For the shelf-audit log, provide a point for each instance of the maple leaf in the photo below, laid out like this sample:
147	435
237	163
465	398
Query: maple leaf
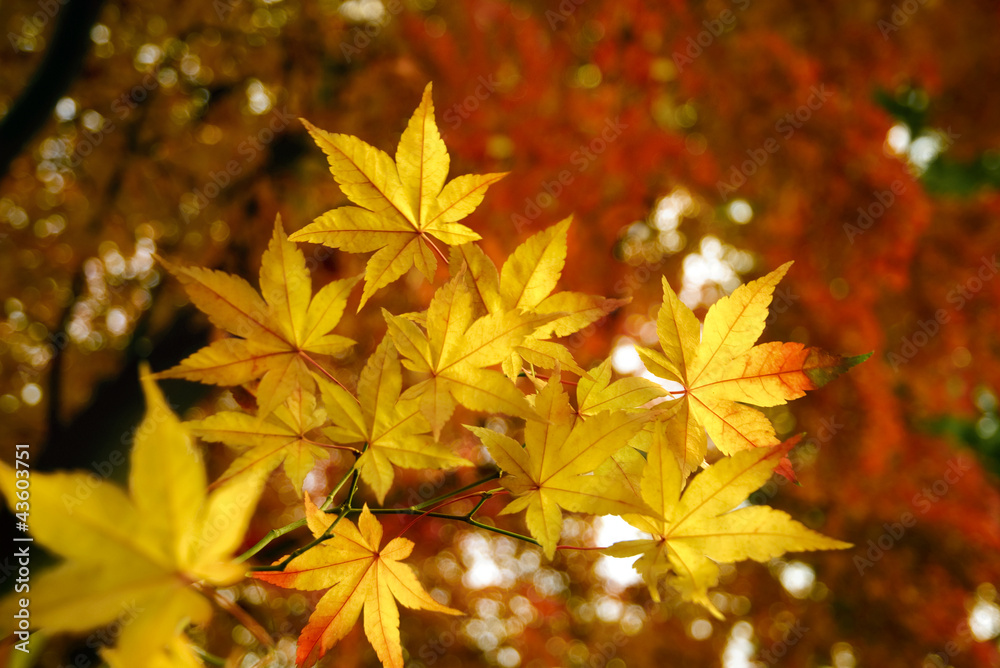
724	371
279	332
526	282
402	205
359	576
595	392
396	431
281	439
134	552
453	352
564	464
699	529
133	650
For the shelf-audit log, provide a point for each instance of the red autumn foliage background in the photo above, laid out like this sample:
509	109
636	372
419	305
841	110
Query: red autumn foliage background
707	142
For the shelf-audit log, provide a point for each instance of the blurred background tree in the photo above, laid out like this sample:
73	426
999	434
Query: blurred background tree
708	142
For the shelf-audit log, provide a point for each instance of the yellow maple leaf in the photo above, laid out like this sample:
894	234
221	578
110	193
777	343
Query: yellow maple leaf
278	333
402	206
596	393
135	552
565	464
724	371
359	576
526	282
135	651
396	431
281	439
699	529
454	351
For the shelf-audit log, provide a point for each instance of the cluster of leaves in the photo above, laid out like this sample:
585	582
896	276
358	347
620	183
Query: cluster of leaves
626	447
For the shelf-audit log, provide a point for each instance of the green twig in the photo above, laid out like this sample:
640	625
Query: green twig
485	497
339	485
209	658
280	566
467	519
269	536
343	509
443	497
347	508
503	532
292	526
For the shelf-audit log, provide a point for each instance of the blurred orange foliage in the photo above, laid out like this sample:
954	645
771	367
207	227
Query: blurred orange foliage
707	142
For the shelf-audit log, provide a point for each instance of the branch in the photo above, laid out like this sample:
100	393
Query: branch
502	532
466	519
438	499
269	536
292	526
420	510
241	615
208	658
61	64
343	509
483	497
343	479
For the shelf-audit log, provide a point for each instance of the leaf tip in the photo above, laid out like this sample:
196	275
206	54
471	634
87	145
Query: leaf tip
167	264
308	126
365	296
148	381
850	362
